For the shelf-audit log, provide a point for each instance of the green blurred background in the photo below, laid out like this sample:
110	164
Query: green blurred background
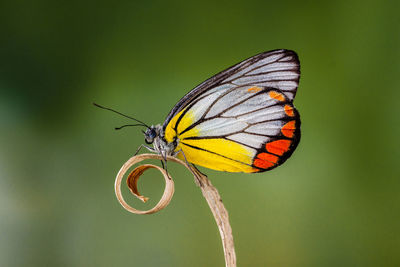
335	202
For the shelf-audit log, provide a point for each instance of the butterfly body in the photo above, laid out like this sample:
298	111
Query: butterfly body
240	120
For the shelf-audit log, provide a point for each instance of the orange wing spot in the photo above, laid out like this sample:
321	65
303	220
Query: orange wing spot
289	110
268	157
288	129
254	89
278	147
263	164
277	96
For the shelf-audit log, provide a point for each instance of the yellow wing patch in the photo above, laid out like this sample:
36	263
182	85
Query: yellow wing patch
185	122
217	154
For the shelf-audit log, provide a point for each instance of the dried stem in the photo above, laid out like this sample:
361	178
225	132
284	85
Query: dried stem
210	193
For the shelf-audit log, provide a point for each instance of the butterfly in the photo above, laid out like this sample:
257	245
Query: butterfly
240	120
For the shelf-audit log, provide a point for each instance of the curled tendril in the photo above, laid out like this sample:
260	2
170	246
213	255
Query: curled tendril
210	193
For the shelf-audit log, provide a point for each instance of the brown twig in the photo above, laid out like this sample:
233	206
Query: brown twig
210	193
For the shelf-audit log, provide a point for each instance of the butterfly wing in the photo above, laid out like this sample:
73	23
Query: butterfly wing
277	69
242	119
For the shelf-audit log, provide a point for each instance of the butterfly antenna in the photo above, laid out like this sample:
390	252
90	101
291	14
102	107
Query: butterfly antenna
126	125
129	117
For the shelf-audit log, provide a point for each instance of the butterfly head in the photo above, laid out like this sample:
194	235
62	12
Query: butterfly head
151	133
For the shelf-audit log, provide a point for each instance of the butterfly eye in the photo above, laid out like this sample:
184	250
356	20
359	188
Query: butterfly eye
149	135
152	134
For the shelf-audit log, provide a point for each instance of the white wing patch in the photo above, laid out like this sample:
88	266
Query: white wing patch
277	70
288	58
272	113
277	66
276	75
252	140
258	64
230	99
270	128
254	103
219	127
223	88
203	104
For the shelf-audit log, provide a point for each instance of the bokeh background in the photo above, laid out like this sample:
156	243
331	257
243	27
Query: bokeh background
335	202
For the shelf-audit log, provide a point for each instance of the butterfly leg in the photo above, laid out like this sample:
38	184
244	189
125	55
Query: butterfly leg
144	146
166	169
192	166
164	162
181	151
